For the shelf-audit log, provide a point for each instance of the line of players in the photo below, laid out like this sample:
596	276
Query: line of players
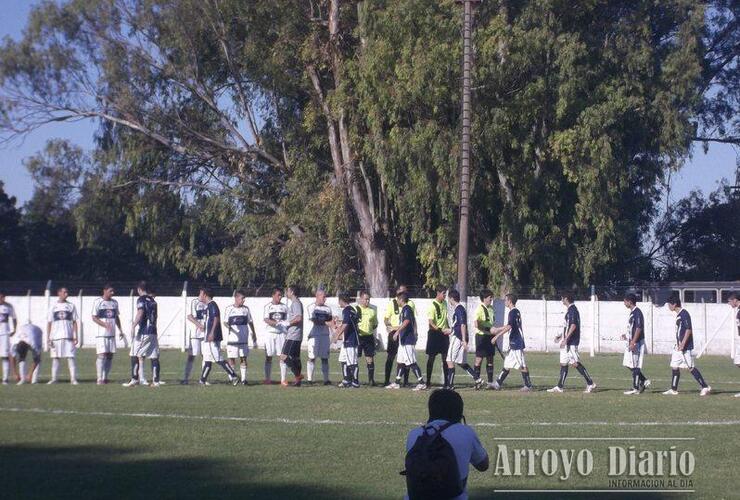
355	327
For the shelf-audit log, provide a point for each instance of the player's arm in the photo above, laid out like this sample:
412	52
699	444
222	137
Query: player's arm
296	321
49	342
483	465
254	332
400	328
464	332
212	333
74	331
633	340
137	320
498	331
339	332
387	321
272	322
686	336
13	320
568	333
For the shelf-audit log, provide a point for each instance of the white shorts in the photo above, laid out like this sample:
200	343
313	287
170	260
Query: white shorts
274	344
514	360
318	347
105	345
147	346
211	352
682	359
456	352
406	354
194	347
569	355
234	351
348	355
634	359
64	348
4	346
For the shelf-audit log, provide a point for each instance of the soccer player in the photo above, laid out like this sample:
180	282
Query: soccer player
682	357
635	352
8	325
61	330
319	342
515	357
28	338
458	351
106	316
238	322
485	317
276	317
144	341
212	341
195	337
290	355
368	326
391	318
438	338
348	355
405	335
569	340
734	301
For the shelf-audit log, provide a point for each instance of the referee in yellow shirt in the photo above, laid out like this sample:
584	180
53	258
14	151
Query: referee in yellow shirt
485	317
438	338
367	327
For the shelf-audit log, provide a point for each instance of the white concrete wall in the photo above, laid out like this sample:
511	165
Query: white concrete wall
602	323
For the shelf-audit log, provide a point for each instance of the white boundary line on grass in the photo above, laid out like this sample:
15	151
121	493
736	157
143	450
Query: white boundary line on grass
259	420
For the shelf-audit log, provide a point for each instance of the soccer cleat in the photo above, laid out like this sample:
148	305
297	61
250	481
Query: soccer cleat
74	382
204	383
144	381
342	385
284	383
419	387
131	383
327	382
495	386
556	390
52	381
21	382
590	388
478	384
267	381
184	382
525	389
298	381
705	391
5	382
737	395
244	382
647	383
234	380
155	384
670	392
99	382
393	386
631	391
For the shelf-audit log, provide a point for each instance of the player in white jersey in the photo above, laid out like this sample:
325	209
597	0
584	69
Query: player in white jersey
61	330
238	321
107	316
734	301
276	317
8	324
197	332
319	342
28	338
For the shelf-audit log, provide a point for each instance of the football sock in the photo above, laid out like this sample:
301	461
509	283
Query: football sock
22	370
563	376
417	372
243	372
228	369
582	370
489	371
206	371
635	378
371	372
399	373
502	376
99	368
450	377
155	370
345	374
72	369
405	375
268	370
476	369
325	369
430	365
134	368
188	367
527	381
388	368
310	365
283	372
107	366
6	369
697	375
470	370
354	371
55	368
675	377
35	373
643	378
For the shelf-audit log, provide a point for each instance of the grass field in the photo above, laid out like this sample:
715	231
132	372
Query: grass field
175	441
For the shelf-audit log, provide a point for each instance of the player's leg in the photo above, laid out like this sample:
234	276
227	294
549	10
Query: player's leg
476	365
6	369
19	357
142	373
431	357
370	360
155	371
205	372
54	370
705	389
280	342
270	351
36	366
489	369
99	362
135	365
188	368
391	353
243	369
72	367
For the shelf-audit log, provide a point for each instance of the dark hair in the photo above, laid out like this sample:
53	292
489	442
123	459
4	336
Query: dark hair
344	297
455	295
733	295
207	290
143	285
276	290
107	286
631	298
485	293
60	288
567	296
674	300
512	298
363	292
403	296
295	289
401	286
241	292
2	292
440	289
445	404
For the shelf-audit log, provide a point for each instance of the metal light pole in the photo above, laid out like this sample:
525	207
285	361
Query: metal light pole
462	244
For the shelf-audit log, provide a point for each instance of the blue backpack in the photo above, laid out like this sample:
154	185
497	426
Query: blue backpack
431	467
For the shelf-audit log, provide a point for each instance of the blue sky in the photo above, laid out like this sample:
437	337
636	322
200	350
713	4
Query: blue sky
702	171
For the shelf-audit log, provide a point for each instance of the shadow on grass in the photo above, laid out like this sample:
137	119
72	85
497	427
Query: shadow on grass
87	472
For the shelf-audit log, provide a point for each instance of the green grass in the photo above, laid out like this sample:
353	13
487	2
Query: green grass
99	448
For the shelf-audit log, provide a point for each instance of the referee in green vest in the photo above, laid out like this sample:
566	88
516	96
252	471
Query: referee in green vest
438	338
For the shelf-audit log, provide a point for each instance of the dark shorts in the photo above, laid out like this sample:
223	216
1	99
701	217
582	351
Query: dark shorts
292	348
392	346
437	343
21	350
367	346
483	346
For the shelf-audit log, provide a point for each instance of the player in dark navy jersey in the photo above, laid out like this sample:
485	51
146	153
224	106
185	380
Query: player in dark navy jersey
569	340
635	351
515	357
212	341
458	350
406	337
348	332
144	341
683	356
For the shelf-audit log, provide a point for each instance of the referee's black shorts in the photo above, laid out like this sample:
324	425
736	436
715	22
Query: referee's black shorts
483	346
292	348
366	346
437	343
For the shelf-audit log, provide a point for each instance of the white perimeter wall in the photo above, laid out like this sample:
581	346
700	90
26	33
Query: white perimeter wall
602	323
